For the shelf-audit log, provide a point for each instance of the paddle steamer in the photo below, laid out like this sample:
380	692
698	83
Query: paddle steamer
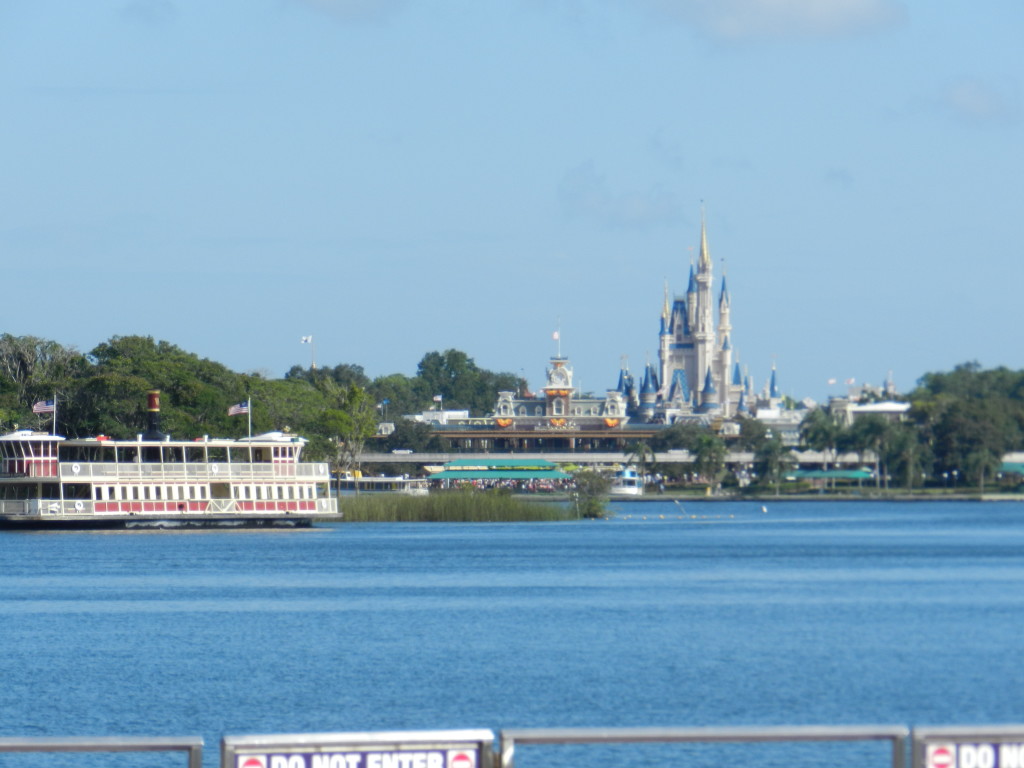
48	481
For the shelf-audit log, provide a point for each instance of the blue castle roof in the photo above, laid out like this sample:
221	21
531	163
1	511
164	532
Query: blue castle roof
679	390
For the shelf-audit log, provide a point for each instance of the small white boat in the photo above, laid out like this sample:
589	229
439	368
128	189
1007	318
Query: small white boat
352	483
627	482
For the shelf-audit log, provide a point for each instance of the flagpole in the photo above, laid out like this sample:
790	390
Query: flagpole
53	428
248	413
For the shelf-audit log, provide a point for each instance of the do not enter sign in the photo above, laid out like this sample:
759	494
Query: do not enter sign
993	755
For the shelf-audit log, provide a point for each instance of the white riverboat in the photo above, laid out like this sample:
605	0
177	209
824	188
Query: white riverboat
627	482
351	483
152	481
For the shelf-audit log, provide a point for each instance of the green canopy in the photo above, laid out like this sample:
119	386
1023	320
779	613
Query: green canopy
500	469
838	474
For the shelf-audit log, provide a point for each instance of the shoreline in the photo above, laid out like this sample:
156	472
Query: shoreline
763	498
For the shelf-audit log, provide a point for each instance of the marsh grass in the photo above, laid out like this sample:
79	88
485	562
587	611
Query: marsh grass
447	507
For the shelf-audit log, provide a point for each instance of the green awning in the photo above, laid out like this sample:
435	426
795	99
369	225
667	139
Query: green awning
837	474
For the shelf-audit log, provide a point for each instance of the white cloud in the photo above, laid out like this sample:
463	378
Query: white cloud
584	193
744	20
975	100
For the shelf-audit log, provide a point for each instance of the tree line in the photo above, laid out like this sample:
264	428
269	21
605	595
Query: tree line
959	425
958	428
103	392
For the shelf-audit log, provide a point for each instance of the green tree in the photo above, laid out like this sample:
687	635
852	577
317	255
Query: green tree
641	456
400	393
681	435
905	453
591	494
867	434
771	459
343	374
411	436
33	369
821	431
354	422
753	434
709	458
455	377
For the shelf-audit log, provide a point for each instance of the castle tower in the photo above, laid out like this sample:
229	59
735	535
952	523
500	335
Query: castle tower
558	391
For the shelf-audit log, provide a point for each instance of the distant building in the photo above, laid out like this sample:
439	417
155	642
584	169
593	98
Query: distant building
697	376
849	411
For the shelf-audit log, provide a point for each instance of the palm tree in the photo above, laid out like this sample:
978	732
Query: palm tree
869	433
641	454
709	454
771	459
821	431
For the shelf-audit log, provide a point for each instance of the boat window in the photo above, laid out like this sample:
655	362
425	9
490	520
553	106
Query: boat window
77	491
128	455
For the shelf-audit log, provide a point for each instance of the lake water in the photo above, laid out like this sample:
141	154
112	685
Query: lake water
686	615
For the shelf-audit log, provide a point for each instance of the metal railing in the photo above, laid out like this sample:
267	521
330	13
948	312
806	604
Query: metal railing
192	745
896	735
213	471
983	746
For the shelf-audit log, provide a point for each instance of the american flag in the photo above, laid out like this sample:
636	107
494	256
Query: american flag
44	406
238	409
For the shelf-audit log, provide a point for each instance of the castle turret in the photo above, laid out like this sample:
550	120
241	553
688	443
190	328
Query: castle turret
649	392
709	395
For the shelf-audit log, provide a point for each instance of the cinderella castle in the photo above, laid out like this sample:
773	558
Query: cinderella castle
697	379
698	376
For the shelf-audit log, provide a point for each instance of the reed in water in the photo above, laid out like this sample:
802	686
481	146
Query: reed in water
447	507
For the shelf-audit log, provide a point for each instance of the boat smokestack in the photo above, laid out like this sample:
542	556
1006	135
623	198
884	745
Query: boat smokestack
153	409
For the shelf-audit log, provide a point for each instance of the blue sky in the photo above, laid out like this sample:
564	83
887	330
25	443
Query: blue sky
399	177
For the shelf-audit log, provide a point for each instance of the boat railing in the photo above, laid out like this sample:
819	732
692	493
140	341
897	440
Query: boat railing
213	472
87	508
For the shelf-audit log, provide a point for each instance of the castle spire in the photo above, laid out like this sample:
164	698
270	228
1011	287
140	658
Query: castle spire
704	259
